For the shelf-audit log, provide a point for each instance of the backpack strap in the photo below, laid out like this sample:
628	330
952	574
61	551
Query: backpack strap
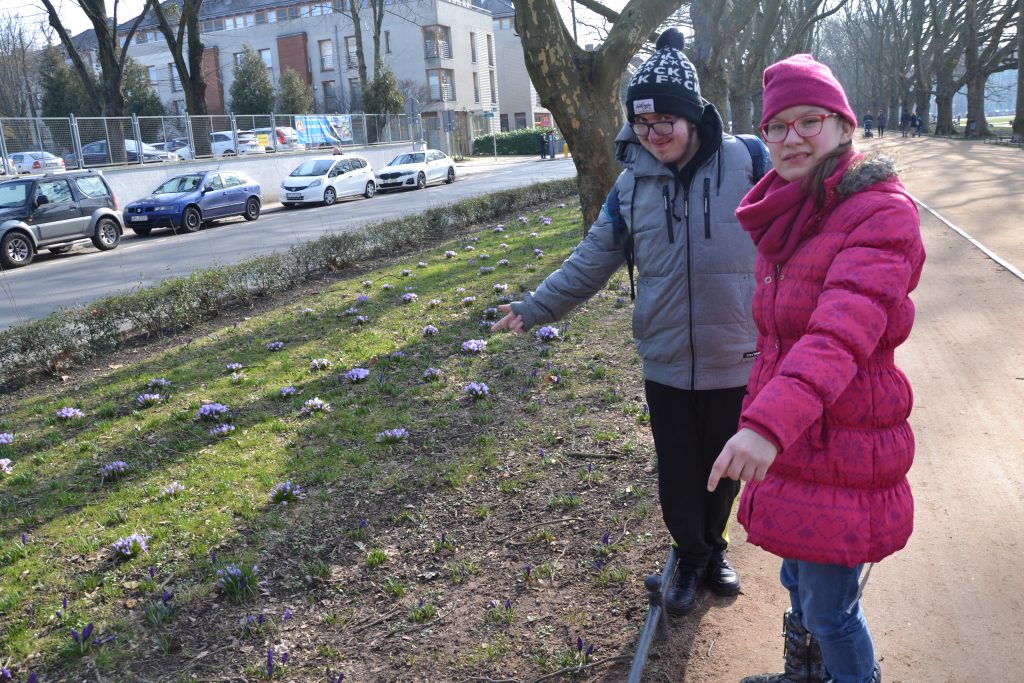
622	234
758	154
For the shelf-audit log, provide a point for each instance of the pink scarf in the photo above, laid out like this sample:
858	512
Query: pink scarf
779	214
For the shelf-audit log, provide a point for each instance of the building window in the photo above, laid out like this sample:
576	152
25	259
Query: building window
153	77
472	47
267	59
175	83
387	42
476	87
503	23
504	123
494	89
437	42
212	25
331	96
239	56
520	120
441	83
326	55
354	93
490	50
352	55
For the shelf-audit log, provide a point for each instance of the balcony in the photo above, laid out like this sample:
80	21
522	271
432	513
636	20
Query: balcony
437	49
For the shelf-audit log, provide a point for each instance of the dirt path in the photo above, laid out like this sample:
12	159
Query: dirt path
950	607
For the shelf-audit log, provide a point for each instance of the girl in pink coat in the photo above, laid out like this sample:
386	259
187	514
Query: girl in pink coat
824	441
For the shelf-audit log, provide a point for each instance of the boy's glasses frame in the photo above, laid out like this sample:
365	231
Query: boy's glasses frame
642	129
771	131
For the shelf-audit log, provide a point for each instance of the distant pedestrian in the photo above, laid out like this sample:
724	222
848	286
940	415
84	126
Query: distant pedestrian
904	123
551	144
880	123
869	122
915	125
543	145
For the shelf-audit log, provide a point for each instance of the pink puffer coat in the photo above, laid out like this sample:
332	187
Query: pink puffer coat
825	389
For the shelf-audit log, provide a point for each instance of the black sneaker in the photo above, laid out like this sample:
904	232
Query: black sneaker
721	578
681	596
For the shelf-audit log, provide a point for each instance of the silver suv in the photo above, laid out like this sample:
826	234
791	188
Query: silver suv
54	211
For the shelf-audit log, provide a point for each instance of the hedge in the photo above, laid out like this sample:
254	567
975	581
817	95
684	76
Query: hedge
72	336
522	141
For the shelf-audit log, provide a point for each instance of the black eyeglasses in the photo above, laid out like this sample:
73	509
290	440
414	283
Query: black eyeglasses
806	126
643	129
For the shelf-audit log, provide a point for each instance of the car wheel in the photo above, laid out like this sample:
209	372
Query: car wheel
15	250
371	189
252	209
191	219
141	230
330	196
60	250
107	234
229	152
421	181
450	178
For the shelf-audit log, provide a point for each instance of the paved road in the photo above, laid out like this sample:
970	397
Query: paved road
84	274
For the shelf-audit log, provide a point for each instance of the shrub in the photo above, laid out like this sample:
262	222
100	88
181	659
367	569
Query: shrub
522	141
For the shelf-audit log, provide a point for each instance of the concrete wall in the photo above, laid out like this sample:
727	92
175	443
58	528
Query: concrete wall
268	170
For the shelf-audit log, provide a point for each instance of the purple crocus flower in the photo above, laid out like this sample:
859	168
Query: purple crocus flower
6	438
579	644
474	346
270	663
166	597
284	658
86	632
5	466
69	413
356	375
287	615
429	331
275	346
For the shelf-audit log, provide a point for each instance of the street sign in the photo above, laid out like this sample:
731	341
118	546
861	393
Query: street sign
488	114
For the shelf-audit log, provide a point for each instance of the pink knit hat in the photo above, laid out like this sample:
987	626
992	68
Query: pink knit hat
800	80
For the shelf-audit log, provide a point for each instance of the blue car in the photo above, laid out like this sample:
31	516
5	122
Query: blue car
187	201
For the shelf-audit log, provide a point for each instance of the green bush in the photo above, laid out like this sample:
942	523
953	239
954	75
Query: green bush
522	141
71	336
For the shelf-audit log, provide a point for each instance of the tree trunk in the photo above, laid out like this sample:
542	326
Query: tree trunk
708	52
944	118
922	101
741	106
1018	119
580	87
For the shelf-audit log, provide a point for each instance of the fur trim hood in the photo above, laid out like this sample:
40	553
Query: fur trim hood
864	173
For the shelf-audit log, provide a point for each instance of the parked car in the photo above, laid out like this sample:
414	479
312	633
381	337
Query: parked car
187	201
283	138
323	179
416	170
36	162
223	144
172	145
54	211
98	153
6	166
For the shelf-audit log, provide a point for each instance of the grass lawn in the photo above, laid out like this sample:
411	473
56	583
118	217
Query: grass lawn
331	479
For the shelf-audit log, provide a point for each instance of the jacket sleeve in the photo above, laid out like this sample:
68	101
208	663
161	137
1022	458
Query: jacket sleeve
872	274
586	271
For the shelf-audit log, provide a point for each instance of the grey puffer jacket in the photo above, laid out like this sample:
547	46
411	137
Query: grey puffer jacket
692	319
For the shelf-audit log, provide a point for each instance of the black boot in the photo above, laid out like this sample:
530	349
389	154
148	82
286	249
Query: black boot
803	656
681	596
721	578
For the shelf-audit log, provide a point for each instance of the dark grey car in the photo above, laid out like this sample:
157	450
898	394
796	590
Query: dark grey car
54	211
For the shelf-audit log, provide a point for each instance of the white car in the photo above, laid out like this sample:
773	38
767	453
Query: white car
36	162
223	144
322	180
283	138
416	170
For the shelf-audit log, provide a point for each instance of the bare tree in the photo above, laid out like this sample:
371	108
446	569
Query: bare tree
987	51
19	68
106	94
1018	120
180	26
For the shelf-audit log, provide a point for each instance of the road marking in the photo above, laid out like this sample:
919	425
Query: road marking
963	233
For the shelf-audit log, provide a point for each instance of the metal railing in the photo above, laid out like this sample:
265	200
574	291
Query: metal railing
88	142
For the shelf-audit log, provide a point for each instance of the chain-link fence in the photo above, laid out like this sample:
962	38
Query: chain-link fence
87	142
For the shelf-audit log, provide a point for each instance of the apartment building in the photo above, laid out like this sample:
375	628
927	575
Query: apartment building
520	106
446	47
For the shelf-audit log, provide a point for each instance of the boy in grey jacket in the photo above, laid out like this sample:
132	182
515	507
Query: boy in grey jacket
682	182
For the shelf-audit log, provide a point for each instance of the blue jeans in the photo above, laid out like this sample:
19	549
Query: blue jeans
822	595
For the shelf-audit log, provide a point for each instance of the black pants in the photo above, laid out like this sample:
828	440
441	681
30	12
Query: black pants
690	429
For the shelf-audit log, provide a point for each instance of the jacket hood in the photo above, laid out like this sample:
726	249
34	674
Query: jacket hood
866	172
629	152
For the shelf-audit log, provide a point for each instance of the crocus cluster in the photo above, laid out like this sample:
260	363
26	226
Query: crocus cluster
316	405
319	364
158	383
223	429
396	356
476	391
6	438
434	302
421	264
233	367
534	234
467	300
172	490
362	299
499	228
410	297
406	272
148	400
503	262
387	286
547	333
275	346
237	377
361	320
429	331
490	314
523	220
474	346
545	220
130	546
212	411
351	311
69	413
307	311
450	254
113	470
356	375
5	466
367	283
285	493
397	435
285	392
431	375
500	287
538	252
238	583
469	247
486	270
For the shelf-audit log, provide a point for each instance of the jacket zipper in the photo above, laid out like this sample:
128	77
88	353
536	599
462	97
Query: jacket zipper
707	208
668	215
689	286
